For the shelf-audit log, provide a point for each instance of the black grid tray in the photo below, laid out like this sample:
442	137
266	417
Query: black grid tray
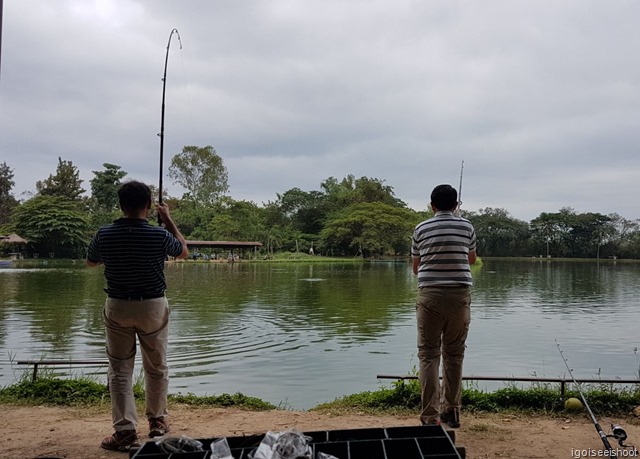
409	442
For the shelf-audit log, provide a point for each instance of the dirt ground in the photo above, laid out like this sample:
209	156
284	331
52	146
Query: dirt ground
59	432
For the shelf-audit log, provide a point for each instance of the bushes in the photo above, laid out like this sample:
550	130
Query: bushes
84	391
603	399
402	396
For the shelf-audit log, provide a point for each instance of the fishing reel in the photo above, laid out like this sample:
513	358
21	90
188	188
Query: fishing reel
619	434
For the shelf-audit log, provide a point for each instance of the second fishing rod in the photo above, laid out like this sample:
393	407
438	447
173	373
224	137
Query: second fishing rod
617	432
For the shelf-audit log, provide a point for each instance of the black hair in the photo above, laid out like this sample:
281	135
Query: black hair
444	197
134	196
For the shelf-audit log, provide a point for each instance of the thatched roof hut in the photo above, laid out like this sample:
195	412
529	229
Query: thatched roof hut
13	239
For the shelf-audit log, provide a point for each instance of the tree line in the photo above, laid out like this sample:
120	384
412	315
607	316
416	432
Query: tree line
350	217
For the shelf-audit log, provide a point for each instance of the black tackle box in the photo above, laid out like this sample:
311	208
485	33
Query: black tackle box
407	442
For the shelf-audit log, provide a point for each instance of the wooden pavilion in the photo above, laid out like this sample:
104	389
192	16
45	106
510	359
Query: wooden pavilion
228	246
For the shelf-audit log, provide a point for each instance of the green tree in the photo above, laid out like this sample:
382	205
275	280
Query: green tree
191	220
201	172
498	234
65	183
104	187
369	229
588	233
350	190
55	225
235	221
7	201
624	231
305	211
553	231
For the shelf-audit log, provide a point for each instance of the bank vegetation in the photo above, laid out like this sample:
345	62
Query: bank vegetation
402	397
348	217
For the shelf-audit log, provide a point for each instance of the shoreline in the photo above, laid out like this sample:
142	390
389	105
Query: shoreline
66	432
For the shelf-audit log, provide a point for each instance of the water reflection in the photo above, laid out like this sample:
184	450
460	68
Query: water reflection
305	333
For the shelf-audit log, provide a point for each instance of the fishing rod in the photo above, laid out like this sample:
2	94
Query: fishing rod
161	135
617	431
458	210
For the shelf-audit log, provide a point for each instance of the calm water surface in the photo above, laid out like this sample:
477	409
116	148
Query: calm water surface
300	334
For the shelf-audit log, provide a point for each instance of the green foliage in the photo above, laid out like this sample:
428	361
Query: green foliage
224	400
345	217
305	257
235	221
66	182
53	224
369	229
83	391
535	398
498	234
7	201
53	391
306	212
604	400
201	172
351	191
402	396
104	187
569	234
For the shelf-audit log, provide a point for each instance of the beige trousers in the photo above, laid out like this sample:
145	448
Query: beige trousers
443	317
147	320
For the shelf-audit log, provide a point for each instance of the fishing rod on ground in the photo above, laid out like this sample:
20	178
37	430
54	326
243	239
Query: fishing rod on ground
161	134
617	431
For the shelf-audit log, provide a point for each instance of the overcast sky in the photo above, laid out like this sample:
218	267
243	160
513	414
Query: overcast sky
540	99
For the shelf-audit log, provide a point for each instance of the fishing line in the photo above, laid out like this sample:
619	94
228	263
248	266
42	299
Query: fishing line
617	431
188	95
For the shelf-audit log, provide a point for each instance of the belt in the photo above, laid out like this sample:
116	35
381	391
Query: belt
149	296
447	286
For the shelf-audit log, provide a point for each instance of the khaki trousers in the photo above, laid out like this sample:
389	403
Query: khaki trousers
443	317
147	320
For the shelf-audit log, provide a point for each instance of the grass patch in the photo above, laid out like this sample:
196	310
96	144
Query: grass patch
85	391
301	256
404	396
401	398
237	400
52	391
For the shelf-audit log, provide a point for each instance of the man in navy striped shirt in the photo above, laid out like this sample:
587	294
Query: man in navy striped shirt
442	250
133	254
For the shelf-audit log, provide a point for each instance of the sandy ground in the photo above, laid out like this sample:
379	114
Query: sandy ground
58	432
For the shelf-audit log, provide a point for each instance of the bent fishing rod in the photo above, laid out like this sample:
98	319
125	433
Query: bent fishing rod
161	134
618	432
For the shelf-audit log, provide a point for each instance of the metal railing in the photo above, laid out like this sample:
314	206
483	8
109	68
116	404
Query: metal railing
563	381
37	363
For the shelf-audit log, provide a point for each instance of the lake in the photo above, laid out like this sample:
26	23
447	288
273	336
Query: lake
298	334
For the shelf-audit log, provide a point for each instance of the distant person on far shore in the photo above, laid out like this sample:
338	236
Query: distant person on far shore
443	248
133	253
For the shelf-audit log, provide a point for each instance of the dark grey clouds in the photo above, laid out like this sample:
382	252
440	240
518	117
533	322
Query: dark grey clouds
540	99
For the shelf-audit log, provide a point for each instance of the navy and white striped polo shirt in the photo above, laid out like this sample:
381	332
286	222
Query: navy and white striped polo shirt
133	253
443	244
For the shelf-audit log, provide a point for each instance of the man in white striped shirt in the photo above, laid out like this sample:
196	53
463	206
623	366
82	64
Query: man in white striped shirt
443	248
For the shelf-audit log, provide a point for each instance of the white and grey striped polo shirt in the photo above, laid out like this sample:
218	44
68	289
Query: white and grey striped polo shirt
443	244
